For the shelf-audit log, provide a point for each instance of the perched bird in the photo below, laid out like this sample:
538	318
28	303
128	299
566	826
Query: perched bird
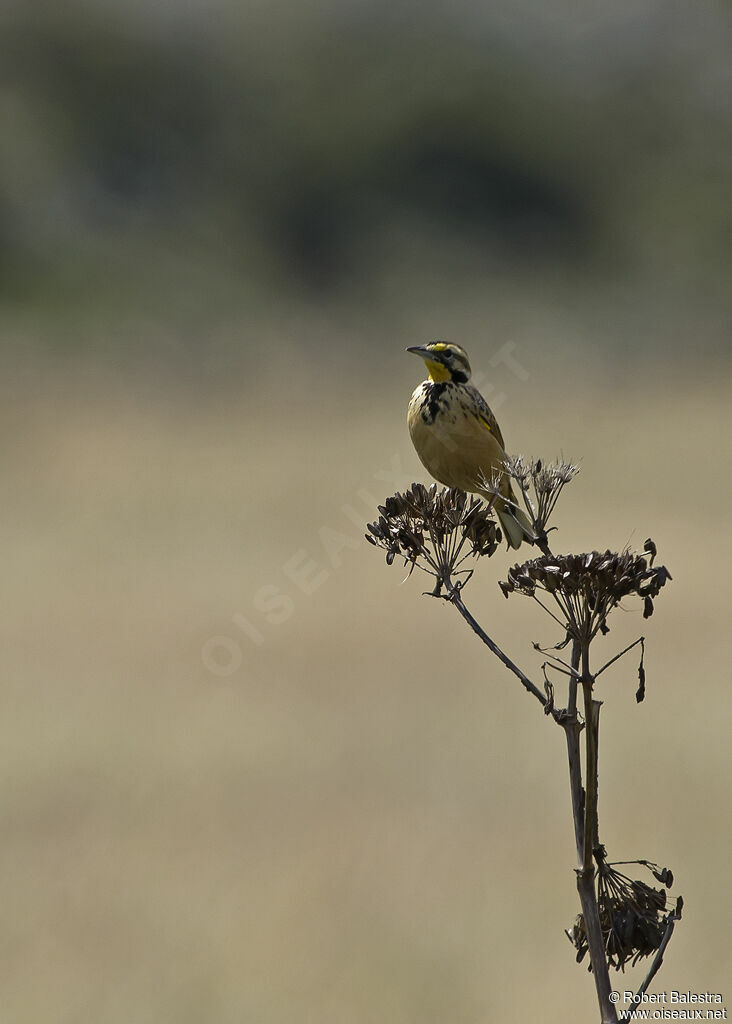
457	437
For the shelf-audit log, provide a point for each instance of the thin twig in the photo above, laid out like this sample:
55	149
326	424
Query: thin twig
453	596
640	640
558	668
542	605
567	669
656	964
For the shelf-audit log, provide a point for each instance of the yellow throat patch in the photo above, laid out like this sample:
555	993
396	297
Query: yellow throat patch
437	371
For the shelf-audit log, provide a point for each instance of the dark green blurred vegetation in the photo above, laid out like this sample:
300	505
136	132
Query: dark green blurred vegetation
240	164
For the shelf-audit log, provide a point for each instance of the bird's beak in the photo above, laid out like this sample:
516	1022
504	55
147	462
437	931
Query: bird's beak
420	350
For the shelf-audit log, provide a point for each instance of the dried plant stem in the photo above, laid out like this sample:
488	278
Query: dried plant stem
572	730
453	596
600	972
592	729
657	961
584	805
543	545
587	835
437	531
640	640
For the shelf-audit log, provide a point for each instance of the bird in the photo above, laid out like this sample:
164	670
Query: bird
457	437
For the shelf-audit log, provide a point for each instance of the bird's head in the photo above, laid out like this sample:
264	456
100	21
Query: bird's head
444	361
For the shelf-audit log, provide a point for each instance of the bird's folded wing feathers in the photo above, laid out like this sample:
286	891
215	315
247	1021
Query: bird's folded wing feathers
485	414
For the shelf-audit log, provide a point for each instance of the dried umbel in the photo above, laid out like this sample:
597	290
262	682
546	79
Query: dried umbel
435	530
540	485
587	587
634	916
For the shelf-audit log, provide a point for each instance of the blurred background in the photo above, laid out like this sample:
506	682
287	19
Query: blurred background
247	775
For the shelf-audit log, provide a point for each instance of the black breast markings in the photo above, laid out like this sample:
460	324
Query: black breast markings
433	403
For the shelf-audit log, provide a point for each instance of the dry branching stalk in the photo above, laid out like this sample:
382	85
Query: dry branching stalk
440	532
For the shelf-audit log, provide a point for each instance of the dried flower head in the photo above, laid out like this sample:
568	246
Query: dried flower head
633	915
436	530
540	486
587	587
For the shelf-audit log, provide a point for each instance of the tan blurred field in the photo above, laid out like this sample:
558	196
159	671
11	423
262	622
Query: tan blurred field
365	819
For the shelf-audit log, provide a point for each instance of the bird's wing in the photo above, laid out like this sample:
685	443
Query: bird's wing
485	415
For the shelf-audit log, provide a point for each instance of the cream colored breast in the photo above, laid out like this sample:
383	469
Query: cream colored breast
452	443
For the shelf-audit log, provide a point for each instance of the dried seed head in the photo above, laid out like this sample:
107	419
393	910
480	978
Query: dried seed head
633	915
588	586
540	485
435	530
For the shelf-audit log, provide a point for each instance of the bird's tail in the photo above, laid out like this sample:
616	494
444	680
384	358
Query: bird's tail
515	523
